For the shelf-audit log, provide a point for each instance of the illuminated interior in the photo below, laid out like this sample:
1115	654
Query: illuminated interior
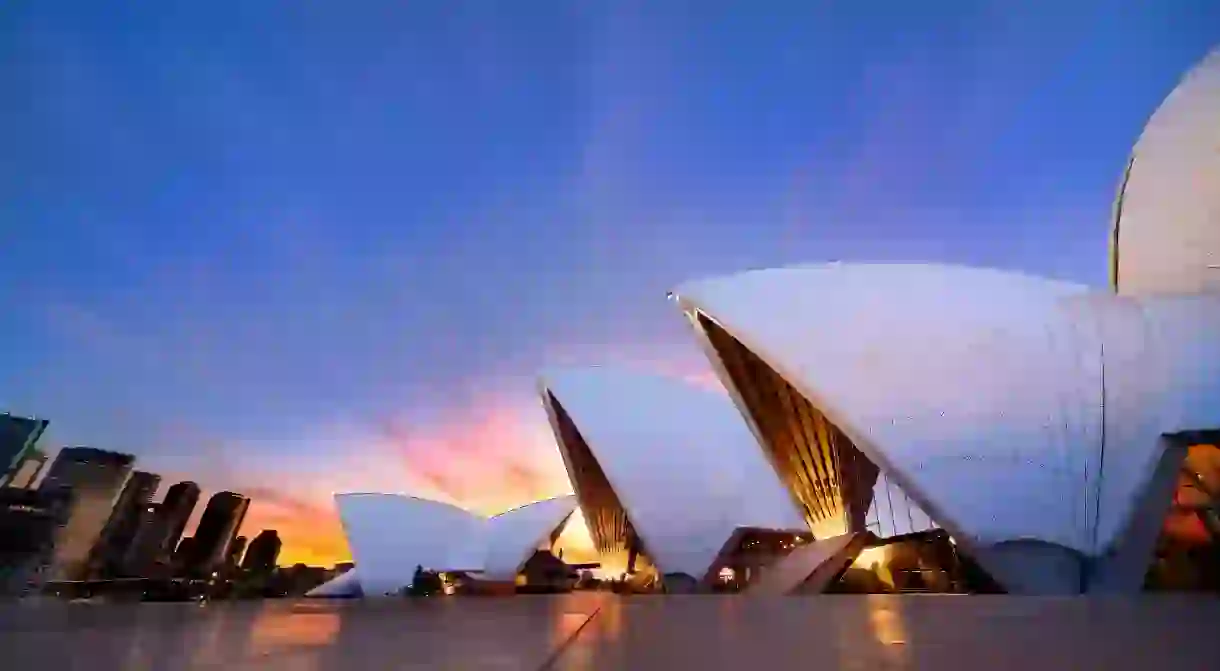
1188	550
838	487
749	554
922	562
613	536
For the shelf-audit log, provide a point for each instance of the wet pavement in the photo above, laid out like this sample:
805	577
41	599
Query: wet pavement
600	631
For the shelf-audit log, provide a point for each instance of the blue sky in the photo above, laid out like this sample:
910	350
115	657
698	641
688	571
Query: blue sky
298	247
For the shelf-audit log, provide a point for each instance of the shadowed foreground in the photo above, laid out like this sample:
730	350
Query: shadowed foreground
596	631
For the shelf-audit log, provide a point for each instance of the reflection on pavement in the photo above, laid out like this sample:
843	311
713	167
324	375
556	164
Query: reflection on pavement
888	627
886	622
206	646
273	631
639	633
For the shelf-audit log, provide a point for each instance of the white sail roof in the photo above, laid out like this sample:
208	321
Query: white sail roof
511	537
346	584
893	354
678	458
1166	225
1009	407
391	534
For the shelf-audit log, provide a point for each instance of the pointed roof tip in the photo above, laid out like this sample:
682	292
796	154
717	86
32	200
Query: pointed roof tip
556	500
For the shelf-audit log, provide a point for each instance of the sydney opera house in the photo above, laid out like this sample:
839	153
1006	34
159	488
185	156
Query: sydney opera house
1023	434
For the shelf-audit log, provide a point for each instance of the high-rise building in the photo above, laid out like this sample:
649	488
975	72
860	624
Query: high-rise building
183	555
29	519
177	507
236	550
156	545
124	523
217	528
94	477
25	470
147	549
263	552
18	435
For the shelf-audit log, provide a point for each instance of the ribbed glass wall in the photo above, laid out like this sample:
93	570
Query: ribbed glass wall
839	488
604	513
893	513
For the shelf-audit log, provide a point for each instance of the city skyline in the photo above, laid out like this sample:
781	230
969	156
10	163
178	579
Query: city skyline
295	254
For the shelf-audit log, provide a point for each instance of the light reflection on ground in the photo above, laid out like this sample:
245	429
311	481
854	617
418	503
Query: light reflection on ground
603	631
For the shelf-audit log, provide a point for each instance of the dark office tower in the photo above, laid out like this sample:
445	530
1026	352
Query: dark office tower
18	435
177	507
94	477
236	550
146	552
29	521
216	531
263	553
182	556
124	523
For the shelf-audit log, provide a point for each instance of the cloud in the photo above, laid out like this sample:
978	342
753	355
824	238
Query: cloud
494	454
310	531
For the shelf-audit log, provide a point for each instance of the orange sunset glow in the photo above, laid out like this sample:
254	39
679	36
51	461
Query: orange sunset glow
495	454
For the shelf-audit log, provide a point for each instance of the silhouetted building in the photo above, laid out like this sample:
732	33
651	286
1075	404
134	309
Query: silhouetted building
263	553
124	523
25	470
217	528
235	552
147	549
154	549
18	435
177	507
296	580
183	555
544	572
95	478
29	519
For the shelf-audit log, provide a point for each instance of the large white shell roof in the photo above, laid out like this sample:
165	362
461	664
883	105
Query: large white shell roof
390	534
1166	226
345	584
981	392
679	458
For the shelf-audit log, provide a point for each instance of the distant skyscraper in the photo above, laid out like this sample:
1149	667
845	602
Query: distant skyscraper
124	523
147	548
17	436
177	507
263	553
94	477
217	528
236	550
183	555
